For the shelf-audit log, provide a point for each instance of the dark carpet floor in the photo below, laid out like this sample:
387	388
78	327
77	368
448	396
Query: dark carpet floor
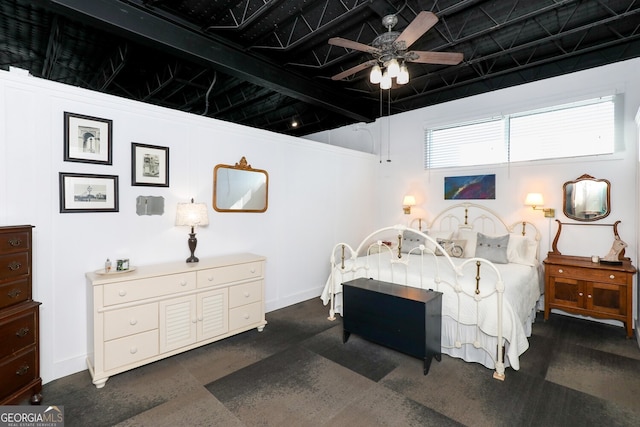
297	372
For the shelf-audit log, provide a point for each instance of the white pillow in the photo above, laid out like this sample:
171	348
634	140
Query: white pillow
522	250
471	237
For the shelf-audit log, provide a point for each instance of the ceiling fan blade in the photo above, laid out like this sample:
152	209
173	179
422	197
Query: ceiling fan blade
350	44
444	58
353	70
420	25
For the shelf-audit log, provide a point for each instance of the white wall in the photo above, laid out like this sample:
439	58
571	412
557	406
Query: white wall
405	173
311	204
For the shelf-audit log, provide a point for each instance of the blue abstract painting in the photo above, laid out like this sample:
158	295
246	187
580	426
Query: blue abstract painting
470	187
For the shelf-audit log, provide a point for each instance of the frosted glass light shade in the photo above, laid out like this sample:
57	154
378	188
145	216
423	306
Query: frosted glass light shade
376	74
385	82
192	214
393	68
403	75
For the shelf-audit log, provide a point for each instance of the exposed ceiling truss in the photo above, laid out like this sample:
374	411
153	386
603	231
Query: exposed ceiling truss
264	63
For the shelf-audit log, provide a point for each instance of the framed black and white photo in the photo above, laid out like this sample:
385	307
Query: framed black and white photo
88	193
87	139
149	165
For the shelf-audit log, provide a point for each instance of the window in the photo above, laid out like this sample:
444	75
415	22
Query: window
578	129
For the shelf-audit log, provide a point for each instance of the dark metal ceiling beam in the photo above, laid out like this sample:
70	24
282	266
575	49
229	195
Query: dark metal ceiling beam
150	28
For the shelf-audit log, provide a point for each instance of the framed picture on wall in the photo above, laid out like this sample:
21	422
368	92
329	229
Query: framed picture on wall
87	139
149	165
88	193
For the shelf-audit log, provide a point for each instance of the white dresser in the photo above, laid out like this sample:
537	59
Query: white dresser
160	310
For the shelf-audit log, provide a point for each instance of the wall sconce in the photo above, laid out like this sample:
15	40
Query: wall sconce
192	215
407	203
534	200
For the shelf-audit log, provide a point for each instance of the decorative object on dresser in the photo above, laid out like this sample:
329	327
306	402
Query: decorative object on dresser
192	215
161	310
404	318
589	286
19	319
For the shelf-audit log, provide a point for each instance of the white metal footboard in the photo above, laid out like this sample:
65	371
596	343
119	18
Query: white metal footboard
475	282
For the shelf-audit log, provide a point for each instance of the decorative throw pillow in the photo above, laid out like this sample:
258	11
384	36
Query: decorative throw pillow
411	241
493	249
454	248
522	250
435	235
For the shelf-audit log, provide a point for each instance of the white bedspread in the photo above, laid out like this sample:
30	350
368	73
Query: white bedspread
522	284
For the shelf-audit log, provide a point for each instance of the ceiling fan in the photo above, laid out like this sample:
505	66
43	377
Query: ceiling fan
389	51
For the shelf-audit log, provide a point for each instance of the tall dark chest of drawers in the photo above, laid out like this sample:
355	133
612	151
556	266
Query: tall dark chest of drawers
19	319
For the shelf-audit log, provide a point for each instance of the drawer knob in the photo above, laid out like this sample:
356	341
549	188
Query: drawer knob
133	322
253	270
15	242
246	316
210	278
22	370
612	276
247	294
560	270
22	332
580	293
13	293
183	283
133	350
14	265
589	296
122	292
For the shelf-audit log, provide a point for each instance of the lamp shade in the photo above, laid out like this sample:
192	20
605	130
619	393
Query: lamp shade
393	68
534	199
376	74
409	201
192	214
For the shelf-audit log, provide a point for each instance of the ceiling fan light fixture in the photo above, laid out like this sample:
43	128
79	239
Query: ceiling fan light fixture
403	75
393	67
385	82
376	74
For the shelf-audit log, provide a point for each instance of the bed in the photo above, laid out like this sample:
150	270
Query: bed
489	273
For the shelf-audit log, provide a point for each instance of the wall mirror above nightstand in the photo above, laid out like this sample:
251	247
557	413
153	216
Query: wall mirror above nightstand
586	198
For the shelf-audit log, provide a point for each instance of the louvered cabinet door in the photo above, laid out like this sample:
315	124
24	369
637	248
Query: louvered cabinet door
212	319
178	323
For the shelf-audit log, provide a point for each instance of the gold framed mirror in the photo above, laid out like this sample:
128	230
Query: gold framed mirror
587	198
240	188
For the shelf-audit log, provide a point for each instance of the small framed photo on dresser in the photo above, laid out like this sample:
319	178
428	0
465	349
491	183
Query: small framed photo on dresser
88	193
149	165
87	139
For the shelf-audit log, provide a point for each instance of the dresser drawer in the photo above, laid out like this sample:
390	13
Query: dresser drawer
15	241
245	315
134	290
131	349
590	274
129	321
228	274
246	293
18	371
14	292
18	332
14	265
